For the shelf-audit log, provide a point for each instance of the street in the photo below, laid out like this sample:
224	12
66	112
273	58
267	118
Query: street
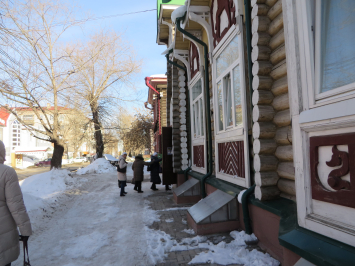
24	173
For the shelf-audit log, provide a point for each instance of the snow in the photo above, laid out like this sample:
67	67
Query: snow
91	224
99	166
178	13
52	184
189	231
169	220
240	195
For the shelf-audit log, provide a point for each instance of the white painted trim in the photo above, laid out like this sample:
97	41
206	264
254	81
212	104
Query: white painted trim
330	111
179	54
207	26
199	49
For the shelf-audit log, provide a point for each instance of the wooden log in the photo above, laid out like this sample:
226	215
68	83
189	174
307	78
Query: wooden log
259	10
281	102
275	10
284	135
270	2
264	130
266	179
260	53
264	163
266	193
282	118
277	40
260	24
262	68
262	97
263	113
287	186
279	70
280	86
264	146
288	196
260	38
284	153
276	25
278	55
262	82
286	170
254	2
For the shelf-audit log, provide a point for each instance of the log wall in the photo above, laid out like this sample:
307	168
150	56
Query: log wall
273	161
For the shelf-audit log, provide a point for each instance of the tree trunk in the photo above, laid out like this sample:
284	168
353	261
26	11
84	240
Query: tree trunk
56	161
98	134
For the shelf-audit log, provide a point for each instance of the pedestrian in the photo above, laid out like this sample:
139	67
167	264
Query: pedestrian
122	169
13	213
154	171
138	172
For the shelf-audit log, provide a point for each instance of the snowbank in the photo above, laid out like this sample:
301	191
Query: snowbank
99	166
42	189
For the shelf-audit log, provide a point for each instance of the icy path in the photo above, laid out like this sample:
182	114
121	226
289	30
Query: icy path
94	226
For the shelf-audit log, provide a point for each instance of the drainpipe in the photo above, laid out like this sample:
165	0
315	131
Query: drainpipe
246	216
186	171
207	105
249	191
174	63
147	82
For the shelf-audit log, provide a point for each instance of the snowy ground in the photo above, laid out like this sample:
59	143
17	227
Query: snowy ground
82	220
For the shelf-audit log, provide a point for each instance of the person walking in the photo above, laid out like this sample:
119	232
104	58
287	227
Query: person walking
13	213
154	171
138	172
122	169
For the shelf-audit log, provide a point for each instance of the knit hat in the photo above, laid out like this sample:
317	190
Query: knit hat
155	154
125	153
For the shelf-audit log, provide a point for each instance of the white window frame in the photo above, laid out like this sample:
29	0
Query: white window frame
239	133
198	140
313	54
314	115
16	125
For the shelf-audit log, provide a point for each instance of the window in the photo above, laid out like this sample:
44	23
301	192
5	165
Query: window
334	47
231	128
229	111
16	134
197	109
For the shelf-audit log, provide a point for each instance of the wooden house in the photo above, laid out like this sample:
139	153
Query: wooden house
262	94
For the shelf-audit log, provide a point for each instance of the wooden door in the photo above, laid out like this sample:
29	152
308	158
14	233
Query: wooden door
169	177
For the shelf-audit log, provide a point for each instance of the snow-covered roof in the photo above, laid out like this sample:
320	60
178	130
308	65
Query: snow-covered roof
158	76
179	12
23	150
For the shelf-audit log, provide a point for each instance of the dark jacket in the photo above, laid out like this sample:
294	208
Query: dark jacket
154	172
138	167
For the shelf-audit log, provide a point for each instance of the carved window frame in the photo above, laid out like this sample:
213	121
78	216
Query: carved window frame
234	133
198	140
314	120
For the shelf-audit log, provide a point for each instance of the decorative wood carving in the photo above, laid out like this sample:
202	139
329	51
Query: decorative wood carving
194	59
199	158
222	5
231	158
345	191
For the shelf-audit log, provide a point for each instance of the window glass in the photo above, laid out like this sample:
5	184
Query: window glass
201	117
220	105
196	90
228	56
228	100
197	112
194	119
337	66
237	97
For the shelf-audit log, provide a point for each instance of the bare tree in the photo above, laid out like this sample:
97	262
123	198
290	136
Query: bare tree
137	138
35	70
109	62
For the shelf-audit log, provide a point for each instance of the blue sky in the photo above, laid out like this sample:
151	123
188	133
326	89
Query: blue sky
139	29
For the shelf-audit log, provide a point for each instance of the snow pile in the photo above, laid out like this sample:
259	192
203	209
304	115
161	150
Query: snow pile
99	166
178	13
235	253
42	189
189	231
